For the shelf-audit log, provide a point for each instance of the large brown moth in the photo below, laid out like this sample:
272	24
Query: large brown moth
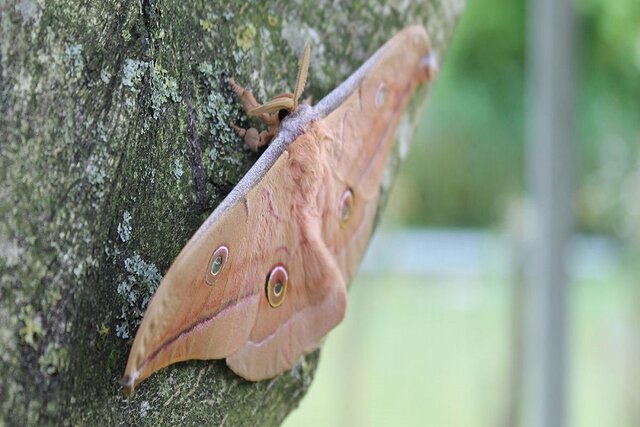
265	278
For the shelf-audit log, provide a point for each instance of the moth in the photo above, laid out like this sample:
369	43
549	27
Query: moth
265	278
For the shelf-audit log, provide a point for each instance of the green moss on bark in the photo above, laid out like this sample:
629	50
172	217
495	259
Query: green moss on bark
114	148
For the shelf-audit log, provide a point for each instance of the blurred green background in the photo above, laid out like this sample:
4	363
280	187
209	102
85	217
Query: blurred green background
472	137
439	347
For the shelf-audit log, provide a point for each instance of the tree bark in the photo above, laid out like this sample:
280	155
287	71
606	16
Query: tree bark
114	148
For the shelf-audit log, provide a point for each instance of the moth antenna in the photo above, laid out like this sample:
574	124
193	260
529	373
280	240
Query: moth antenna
273	106
303	72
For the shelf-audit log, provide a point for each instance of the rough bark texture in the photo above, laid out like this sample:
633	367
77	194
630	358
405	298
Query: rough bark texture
114	147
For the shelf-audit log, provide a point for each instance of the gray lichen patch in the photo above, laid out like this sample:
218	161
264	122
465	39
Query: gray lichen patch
29	11
178	169
105	76
164	88
132	72
73	59
124	227
96	174
220	112
145	406
136	291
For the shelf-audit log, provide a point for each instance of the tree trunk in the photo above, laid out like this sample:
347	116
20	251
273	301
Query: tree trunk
114	148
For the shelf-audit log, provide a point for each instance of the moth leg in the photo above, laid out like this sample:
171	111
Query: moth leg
249	103
252	138
246	96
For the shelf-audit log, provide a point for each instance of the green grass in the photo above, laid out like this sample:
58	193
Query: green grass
605	354
429	352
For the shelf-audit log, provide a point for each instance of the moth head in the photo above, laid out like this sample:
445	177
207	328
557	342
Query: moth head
288	101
